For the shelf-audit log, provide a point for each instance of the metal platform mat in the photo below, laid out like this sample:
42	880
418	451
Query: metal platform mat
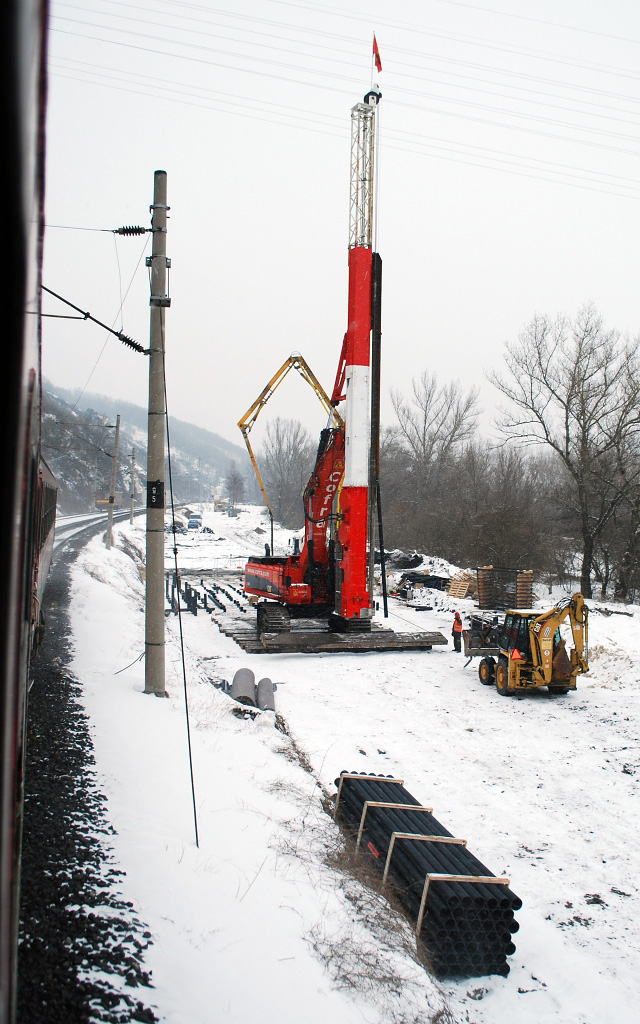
312	638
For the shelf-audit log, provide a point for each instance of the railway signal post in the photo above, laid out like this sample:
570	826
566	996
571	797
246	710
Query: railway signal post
112	486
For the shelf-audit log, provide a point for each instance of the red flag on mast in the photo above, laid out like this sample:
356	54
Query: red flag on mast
376	54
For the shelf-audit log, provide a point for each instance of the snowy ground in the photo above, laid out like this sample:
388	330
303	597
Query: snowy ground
257	924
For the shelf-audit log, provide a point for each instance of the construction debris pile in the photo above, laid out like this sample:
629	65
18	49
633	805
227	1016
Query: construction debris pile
418	580
463	913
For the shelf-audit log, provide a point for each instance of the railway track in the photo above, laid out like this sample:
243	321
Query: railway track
74	527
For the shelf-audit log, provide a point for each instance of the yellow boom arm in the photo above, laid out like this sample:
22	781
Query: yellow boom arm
246	423
543	630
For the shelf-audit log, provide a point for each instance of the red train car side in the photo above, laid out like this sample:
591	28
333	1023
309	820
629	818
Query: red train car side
26	484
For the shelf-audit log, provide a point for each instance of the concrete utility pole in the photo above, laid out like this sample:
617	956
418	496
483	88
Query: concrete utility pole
112	486
133	485
154	680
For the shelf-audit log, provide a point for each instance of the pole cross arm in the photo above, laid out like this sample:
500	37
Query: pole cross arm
129	342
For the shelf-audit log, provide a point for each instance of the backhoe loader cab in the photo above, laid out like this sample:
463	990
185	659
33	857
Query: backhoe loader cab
532	652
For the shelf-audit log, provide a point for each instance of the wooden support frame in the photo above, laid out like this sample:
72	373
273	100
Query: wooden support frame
419	838
358	775
382	803
473	879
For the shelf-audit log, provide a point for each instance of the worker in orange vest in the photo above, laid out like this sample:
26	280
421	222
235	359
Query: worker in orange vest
456	632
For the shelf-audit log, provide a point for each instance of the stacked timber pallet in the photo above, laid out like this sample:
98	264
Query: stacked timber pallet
524	588
504	588
460	586
463	913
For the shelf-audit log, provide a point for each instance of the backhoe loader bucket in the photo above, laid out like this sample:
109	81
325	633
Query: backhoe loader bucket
562	667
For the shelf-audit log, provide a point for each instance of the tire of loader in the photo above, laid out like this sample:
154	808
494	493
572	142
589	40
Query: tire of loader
559	690
502	676
487	671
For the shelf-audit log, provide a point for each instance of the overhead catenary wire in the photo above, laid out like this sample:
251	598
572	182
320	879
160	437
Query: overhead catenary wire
534	97
567	132
128	230
337	12
538	21
167	86
396	64
278	63
86	384
417	29
429	96
414	139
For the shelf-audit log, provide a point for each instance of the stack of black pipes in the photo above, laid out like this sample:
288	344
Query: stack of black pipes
467	926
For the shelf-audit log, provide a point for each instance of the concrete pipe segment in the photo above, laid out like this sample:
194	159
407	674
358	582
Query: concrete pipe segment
243	687
266	699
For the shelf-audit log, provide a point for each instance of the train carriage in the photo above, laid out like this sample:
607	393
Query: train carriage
27	510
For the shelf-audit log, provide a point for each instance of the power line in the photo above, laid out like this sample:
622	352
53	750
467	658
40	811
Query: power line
227	67
513	119
73	227
431	33
414	28
316	71
540	21
426	142
397	64
344	78
329	120
299	114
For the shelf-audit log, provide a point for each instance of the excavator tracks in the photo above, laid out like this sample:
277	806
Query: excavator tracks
272	618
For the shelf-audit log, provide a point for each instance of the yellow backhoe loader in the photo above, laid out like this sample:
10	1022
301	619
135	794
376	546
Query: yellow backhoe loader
527	650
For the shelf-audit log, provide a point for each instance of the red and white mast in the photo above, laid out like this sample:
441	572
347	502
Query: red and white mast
353	608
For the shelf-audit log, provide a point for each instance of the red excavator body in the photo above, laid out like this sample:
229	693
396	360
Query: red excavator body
305	581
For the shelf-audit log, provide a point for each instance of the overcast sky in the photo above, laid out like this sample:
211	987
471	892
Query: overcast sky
508	186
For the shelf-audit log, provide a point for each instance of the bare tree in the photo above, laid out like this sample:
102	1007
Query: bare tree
627	583
234	485
617	552
575	387
436	422
497	510
419	456
286	459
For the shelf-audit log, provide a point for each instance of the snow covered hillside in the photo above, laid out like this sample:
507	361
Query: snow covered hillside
260	923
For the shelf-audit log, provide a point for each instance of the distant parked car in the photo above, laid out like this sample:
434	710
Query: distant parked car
193	524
